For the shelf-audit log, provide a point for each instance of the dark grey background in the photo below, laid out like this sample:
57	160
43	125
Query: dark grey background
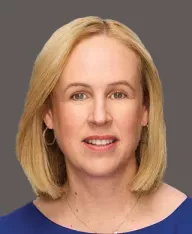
165	29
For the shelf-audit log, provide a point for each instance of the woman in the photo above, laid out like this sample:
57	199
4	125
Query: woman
92	138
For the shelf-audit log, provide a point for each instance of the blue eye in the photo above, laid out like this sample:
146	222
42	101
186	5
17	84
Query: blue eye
120	95
77	95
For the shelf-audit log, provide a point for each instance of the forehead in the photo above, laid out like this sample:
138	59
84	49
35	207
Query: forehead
101	59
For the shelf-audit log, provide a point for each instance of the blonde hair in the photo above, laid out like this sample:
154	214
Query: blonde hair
44	165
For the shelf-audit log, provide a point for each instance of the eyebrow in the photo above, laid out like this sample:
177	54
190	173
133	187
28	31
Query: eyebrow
121	82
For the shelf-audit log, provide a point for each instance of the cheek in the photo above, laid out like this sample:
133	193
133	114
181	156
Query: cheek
128	115
68	122
128	122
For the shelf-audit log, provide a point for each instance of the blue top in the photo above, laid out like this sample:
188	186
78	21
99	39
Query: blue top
29	220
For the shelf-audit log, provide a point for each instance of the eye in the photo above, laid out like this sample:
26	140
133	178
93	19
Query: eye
77	95
119	94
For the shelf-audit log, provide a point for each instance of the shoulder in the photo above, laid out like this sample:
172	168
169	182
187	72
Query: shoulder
184	212
175	204
169	195
182	217
19	220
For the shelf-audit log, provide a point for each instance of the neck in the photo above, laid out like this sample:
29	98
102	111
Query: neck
98	197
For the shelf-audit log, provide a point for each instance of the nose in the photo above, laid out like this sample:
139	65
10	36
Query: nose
99	114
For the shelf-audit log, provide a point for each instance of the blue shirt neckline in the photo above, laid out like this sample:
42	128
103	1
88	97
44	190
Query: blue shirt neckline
168	219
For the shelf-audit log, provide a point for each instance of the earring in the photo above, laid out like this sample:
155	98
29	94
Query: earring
48	143
145	135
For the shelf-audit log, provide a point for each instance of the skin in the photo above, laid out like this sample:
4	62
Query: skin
98	189
98	62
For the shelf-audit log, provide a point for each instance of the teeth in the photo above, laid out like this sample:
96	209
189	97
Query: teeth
99	142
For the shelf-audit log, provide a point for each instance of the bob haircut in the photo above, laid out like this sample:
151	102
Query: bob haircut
44	165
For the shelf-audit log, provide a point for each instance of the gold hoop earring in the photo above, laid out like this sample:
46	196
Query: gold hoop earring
48	143
145	137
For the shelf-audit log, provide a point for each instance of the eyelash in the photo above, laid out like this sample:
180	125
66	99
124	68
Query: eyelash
83	93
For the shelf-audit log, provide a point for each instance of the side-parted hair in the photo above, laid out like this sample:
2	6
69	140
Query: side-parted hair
44	165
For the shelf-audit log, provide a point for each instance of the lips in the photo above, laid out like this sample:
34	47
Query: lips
101	137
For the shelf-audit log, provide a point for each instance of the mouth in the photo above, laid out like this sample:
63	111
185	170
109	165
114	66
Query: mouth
100	146
101	143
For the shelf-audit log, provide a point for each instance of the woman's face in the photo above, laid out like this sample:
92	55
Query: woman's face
100	107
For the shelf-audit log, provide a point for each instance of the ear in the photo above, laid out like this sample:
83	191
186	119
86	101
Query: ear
48	119
145	116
